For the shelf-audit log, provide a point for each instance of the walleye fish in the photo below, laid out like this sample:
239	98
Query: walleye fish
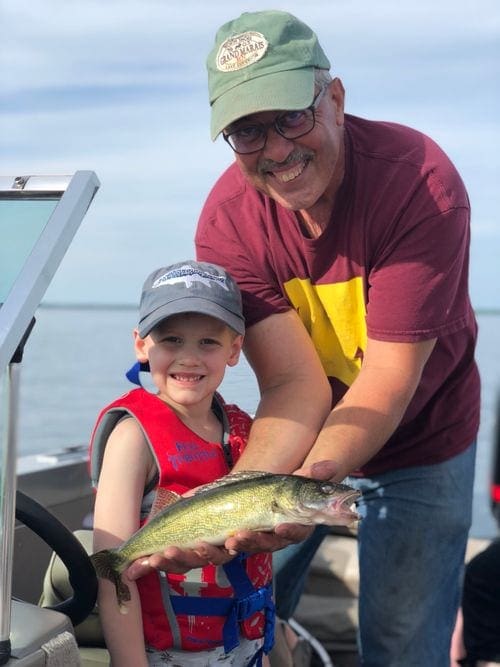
249	500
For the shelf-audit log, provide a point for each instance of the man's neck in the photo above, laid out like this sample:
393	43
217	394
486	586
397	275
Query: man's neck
311	226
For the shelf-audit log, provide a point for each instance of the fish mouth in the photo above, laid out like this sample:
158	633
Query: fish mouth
339	511
334	511
345	504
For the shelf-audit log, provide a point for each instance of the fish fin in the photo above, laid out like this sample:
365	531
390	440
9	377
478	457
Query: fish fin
108	564
123	609
232	478
163	498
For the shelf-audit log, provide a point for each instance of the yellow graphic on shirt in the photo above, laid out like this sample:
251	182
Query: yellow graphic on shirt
334	316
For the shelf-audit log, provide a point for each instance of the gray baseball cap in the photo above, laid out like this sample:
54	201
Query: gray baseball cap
190	287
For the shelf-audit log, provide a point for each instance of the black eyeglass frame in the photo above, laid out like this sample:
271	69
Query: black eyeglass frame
265	127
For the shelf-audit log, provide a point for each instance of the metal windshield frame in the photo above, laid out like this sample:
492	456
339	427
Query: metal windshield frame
16	314
77	192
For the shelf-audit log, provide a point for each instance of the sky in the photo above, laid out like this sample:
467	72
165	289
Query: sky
119	87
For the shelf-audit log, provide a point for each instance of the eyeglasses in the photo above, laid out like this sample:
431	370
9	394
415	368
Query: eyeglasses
251	138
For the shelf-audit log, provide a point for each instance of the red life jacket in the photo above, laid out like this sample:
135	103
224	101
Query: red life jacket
184	461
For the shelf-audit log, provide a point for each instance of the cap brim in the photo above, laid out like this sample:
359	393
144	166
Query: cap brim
191	305
293	89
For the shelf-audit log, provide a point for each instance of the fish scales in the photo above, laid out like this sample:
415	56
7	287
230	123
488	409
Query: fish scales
211	517
249	500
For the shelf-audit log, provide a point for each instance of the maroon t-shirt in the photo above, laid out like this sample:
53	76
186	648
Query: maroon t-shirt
392	266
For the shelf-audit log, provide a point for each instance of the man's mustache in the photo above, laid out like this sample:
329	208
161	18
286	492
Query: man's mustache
298	155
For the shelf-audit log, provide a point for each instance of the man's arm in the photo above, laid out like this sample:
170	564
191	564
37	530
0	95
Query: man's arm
290	432
294	424
372	408
295	394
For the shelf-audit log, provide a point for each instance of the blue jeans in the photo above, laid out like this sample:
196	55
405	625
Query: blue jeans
412	540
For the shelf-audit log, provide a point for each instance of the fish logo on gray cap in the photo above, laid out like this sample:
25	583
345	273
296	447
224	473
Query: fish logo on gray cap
189	276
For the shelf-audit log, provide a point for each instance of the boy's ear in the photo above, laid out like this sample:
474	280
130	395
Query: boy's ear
236	346
140	347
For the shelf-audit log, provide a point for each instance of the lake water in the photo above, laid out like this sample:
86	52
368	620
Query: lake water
75	360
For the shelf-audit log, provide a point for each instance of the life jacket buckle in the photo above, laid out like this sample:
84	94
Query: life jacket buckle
252	603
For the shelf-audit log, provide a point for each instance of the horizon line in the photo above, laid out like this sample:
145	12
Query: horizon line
91	305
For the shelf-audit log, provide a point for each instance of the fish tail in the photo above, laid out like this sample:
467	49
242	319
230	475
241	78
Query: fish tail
108	564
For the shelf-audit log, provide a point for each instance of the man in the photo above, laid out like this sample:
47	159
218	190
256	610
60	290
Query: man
349	240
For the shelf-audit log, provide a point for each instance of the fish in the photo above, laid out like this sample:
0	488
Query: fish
246	500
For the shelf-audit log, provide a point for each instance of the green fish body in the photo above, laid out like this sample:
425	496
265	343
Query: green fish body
240	501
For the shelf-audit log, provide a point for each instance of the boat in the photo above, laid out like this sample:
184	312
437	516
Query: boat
48	586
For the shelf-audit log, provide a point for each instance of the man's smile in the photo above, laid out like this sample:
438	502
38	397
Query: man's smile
289	169
290	174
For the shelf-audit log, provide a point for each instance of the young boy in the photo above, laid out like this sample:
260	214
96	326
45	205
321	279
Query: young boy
190	328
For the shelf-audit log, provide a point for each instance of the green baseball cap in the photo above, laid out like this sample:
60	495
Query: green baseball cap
261	61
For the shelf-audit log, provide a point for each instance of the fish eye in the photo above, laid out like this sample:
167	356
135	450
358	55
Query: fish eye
326	487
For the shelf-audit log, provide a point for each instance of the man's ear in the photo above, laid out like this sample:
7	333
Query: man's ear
337	93
140	347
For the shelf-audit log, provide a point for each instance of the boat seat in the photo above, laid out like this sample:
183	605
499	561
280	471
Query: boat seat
35	634
56	588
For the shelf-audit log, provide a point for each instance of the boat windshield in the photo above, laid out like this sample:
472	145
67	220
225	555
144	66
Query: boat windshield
21	222
39	216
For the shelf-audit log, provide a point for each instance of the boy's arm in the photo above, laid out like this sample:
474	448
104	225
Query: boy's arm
126	464
122	632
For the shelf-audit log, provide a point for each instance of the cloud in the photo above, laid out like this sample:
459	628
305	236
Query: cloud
120	87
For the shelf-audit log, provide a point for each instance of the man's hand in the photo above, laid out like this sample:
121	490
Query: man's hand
178	561
327	470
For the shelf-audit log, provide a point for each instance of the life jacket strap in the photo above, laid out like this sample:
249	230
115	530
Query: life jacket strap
247	602
134	374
